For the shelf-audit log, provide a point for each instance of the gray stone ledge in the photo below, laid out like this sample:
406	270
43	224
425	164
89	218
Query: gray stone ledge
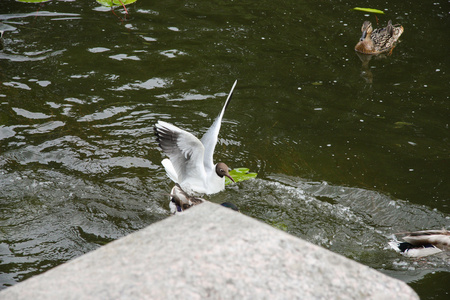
210	252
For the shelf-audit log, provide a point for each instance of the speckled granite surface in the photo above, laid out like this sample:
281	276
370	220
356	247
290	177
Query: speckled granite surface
210	252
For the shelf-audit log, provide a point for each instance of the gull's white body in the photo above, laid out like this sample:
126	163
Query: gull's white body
190	162
199	181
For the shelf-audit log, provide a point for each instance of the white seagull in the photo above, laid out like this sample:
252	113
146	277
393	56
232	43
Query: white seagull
190	162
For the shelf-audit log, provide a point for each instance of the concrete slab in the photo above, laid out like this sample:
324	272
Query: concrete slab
210	252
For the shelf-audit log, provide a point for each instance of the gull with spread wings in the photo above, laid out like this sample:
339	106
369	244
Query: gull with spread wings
190	162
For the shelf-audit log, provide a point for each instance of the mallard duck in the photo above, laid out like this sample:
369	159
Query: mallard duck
180	201
422	243
379	40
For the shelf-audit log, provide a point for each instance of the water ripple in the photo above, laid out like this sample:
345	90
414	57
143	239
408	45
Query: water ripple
30	115
29	56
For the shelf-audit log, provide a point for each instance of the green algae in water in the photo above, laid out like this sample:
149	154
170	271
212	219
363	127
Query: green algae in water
369	10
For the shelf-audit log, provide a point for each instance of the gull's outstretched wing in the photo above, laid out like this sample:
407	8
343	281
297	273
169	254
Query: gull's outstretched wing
209	139
184	150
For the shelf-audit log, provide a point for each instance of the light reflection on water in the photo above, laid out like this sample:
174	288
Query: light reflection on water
79	165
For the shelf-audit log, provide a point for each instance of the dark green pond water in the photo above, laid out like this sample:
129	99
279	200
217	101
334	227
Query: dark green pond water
346	153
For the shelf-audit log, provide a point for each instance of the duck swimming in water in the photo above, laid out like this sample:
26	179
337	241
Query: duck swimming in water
423	243
379	40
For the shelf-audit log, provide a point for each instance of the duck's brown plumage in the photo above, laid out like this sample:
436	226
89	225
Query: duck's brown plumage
379	40
422	243
182	200
437	238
